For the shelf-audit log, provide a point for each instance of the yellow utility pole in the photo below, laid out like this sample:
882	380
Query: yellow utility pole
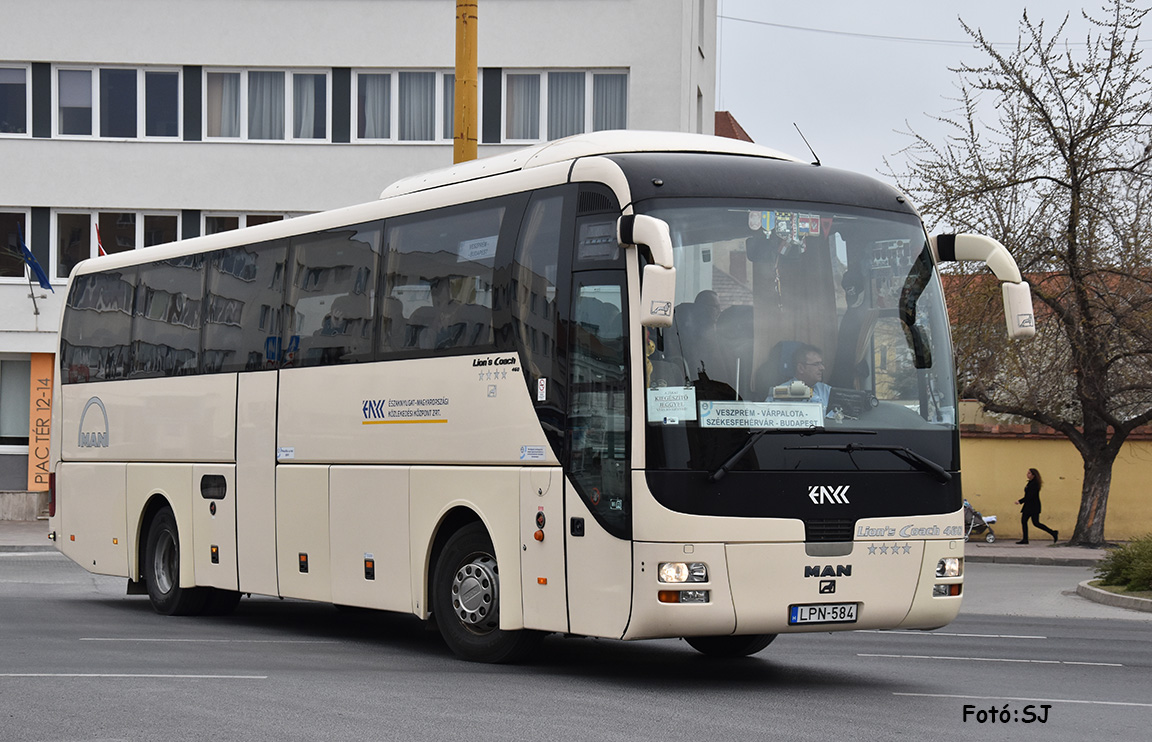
464	134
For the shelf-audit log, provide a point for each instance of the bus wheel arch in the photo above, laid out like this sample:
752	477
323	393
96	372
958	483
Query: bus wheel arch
156	503
464	594
160	563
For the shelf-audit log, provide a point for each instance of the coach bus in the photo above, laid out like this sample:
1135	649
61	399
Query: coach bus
556	390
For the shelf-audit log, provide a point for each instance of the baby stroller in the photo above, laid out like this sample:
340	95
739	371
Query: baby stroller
974	523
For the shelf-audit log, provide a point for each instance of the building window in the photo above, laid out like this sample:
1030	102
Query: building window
449	99
73	241
561	103
215	223
12	224
417	99
83	235
261	105
15	398
118	103
106	102
404	106
14	100
161	104
160	229
74	94
309	106
609	101
373	106
565	104
222	108
522	106
265	105
115	232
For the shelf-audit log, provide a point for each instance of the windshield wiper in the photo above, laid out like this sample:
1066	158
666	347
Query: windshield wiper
717	475
905	454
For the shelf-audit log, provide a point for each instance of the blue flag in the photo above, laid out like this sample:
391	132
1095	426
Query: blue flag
33	265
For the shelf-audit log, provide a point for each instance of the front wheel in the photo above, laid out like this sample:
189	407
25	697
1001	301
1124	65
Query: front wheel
466	601
730	646
161	570
990	537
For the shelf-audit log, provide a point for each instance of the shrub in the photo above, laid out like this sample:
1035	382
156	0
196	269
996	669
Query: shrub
1129	565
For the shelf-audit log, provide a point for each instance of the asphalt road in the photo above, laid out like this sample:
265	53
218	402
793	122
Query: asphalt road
79	660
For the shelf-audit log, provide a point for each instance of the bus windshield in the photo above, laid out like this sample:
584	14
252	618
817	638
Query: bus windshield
798	319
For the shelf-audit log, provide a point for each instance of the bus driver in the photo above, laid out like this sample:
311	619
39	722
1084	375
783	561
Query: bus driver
808	368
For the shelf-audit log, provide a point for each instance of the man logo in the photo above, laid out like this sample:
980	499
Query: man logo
827	570
828	495
93	435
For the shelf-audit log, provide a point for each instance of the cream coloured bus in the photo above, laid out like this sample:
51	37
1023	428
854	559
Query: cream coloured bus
549	391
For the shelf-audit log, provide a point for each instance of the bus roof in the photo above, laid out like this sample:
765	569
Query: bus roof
581	145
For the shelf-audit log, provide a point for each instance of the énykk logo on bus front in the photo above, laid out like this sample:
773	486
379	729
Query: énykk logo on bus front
821	495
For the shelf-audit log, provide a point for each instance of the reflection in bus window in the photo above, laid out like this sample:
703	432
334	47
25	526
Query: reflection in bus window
332	294
440	276
598	410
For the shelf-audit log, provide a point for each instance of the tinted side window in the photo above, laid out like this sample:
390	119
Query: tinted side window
166	318
439	288
243	308
95	335
332	297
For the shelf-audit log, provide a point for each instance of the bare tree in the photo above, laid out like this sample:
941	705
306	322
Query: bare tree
1061	177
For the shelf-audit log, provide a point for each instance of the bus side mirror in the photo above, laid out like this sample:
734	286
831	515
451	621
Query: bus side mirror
1018	310
1018	314
658	284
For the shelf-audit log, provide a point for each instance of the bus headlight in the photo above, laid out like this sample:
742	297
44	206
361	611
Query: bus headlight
682	572
949	567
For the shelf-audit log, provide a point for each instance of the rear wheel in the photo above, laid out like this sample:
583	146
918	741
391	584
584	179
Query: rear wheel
466	601
161	570
730	646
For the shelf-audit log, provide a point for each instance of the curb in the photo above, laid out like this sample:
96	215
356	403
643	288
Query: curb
1034	560
1097	595
10	549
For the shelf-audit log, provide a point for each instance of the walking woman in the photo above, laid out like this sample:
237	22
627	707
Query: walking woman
1031	507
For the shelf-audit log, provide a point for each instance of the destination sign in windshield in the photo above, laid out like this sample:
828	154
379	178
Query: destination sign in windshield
761	415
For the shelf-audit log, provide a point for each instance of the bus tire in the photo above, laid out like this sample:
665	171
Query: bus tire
730	646
466	601
161	570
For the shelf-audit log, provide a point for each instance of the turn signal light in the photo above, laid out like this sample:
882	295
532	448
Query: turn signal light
683	596
946	591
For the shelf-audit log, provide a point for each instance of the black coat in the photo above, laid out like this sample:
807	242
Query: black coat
1030	505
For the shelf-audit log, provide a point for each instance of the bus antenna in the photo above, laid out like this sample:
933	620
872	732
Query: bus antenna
817	157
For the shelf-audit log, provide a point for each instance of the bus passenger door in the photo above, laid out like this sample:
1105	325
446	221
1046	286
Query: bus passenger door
597	495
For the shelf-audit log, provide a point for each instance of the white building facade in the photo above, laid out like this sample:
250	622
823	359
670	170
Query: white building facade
129	123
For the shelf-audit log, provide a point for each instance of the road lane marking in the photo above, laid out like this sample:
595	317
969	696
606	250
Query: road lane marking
945	633
208	641
1028	700
127	675
988	659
